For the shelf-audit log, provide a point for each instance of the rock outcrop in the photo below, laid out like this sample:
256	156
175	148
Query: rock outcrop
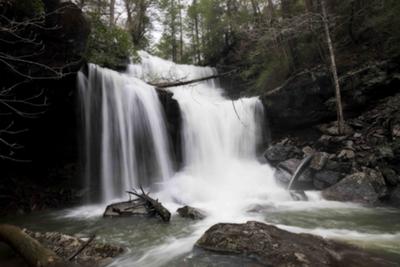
361	166
308	97
271	246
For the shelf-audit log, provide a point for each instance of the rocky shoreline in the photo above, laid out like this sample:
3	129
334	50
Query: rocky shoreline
361	166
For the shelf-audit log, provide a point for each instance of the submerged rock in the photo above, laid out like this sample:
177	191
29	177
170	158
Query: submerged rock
191	213
271	246
366	187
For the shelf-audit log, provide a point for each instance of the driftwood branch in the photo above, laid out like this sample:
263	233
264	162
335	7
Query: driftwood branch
181	83
84	245
152	204
33	253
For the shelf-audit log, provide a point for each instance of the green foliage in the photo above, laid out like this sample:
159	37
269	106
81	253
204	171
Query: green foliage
109	46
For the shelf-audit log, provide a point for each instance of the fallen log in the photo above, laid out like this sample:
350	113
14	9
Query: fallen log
298	194
153	205
32	252
181	83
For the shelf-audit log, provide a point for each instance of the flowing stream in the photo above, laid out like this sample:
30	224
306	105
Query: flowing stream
126	145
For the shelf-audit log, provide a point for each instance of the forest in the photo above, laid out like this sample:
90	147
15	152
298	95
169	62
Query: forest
199	133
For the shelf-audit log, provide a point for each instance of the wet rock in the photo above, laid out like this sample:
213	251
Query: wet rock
319	160
366	187
385	152
332	129
395	197
346	154
278	153
285	171
325	178
390	176
95	253
298	195
396	130
127	208
191	213
271	246
336	166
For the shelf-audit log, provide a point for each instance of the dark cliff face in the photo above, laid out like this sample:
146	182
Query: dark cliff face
174	124
49	140
308	98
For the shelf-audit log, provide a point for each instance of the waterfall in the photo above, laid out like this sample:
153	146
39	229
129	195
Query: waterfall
125	143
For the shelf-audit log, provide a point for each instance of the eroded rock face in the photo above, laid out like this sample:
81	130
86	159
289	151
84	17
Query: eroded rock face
191	213
308	97
366	187
272	246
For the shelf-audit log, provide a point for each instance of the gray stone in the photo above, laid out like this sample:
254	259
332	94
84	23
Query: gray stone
366	187
278	153
346	154
385	152
319	160
395	197
191	213
271	246
390	176
325	178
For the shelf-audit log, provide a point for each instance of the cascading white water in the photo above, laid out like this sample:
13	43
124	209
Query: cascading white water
125	145
125	137
220	172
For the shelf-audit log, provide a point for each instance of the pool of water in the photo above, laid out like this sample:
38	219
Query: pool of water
151	242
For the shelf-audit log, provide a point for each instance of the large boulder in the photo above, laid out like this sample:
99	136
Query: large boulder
271	246
367	187
325	178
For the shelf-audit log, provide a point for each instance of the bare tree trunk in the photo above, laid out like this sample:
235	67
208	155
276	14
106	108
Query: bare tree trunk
339	108
112	12
173	31
180	32
33	253
271	10
196	26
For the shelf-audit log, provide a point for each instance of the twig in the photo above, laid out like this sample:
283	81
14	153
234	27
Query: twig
83	246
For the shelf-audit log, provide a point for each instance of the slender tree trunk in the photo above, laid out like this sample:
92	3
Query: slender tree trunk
112	12
196	26
339	109
180	32
173	31
128	14
271	10
309	5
